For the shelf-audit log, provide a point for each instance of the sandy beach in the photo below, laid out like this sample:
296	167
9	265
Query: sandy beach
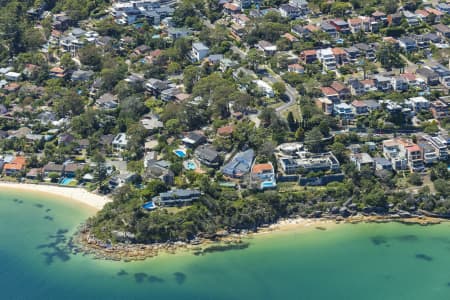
75	194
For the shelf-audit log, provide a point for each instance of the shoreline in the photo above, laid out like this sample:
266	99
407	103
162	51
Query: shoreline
75	194
139	252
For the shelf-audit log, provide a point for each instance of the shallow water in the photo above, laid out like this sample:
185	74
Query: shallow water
364	261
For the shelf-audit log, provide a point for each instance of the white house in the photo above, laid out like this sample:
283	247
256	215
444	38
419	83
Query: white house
199	51
120	142
13	76
265	87
326	57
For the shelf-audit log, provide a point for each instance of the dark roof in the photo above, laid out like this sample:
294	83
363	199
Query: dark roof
206	152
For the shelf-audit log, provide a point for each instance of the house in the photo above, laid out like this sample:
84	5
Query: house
353	54
407	44
33	174
107	101
394	19
52	168
177	197
326	57
419	103
343	111
208	156
443	7
339	55
193	139
342	90
366	50
308	56
176	33
440	147
299	31
82	75
65	139
225	131
403	154
442	30
442	72
199	51
399	83
359	107
290	11
304	161
382	83
325	105
151	123
410	79
239	165
355	25
57	72
362	160
296	68
379	16
71	169
290	37
330	93
170	94
263	176
265	88
159	169
267	47
428	76
231	8
411	18
13	76
329	29
341	26
392	152
382	163
356	87
15	166
435	14
120	142
440	109
156	86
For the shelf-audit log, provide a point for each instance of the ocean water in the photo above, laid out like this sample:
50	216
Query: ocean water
364	261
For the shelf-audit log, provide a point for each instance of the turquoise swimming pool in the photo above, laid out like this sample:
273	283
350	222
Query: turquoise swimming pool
180	153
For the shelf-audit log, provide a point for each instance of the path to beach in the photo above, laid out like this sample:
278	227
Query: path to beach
76	194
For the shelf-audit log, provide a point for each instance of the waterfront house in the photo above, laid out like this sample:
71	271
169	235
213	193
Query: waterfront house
15	166
53	168
263	176
177	197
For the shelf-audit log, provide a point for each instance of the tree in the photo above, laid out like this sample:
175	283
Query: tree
279	87
390	6
389	57
313	140
67	62
90	55
292	123
442	187
415	179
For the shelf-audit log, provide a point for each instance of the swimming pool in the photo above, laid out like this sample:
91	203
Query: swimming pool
268	184
190	165
149	205
66	181
180	153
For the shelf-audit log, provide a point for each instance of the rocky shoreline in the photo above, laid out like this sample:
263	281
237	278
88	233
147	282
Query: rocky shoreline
85	243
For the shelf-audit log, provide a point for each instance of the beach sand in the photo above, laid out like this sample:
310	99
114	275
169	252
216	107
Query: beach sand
76	194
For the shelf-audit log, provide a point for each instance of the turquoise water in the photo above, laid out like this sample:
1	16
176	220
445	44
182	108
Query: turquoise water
365	261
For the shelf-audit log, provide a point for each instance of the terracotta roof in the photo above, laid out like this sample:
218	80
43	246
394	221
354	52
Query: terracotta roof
56	70
338	86
368	82
309	52
409	76
413	148
422	12
327	91
225	130
17	163
260	168
311	28
289	37
296	66
354	21
358	103
434	11
338	51
231	6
